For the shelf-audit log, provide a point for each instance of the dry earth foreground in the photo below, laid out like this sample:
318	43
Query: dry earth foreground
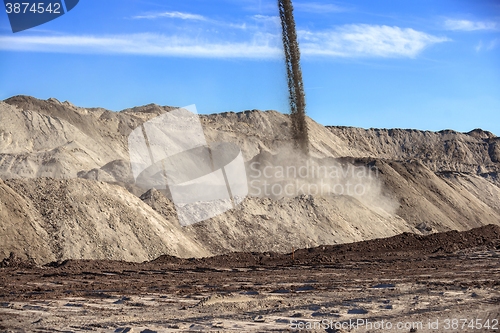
85	249
442	282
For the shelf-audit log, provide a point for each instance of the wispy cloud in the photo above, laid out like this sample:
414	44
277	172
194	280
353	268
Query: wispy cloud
488	46
269	21
267	18
143	44
259	6
347	41
177	15
493	44
363	40
479	46
318	8
190	17
466	25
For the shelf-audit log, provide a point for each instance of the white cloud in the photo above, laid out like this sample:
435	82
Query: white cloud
259	17
318	8
493	44
479	46
363	40
143	44
347	41
179	15
465	25
191	17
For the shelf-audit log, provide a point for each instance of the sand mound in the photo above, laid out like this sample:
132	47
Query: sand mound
67	189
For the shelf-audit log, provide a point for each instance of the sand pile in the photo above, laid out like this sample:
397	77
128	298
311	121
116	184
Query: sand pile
67	194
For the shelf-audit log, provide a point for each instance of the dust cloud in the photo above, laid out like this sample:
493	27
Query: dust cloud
292	173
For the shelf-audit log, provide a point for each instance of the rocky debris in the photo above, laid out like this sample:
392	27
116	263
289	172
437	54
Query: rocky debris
124	330
494	150
259	319
13	261
218	325
424	228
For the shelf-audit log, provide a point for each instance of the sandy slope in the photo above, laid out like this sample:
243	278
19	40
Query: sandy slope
427	182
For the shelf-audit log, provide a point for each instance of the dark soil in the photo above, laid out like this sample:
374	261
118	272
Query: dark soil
403	255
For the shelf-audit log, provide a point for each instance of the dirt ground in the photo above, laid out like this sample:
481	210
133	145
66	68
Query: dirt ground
447	282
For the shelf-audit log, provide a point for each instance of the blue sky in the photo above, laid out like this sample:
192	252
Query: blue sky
420	64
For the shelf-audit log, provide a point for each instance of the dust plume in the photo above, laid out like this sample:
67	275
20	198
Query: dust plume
290	174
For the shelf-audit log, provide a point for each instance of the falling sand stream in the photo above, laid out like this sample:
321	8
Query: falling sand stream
294	76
